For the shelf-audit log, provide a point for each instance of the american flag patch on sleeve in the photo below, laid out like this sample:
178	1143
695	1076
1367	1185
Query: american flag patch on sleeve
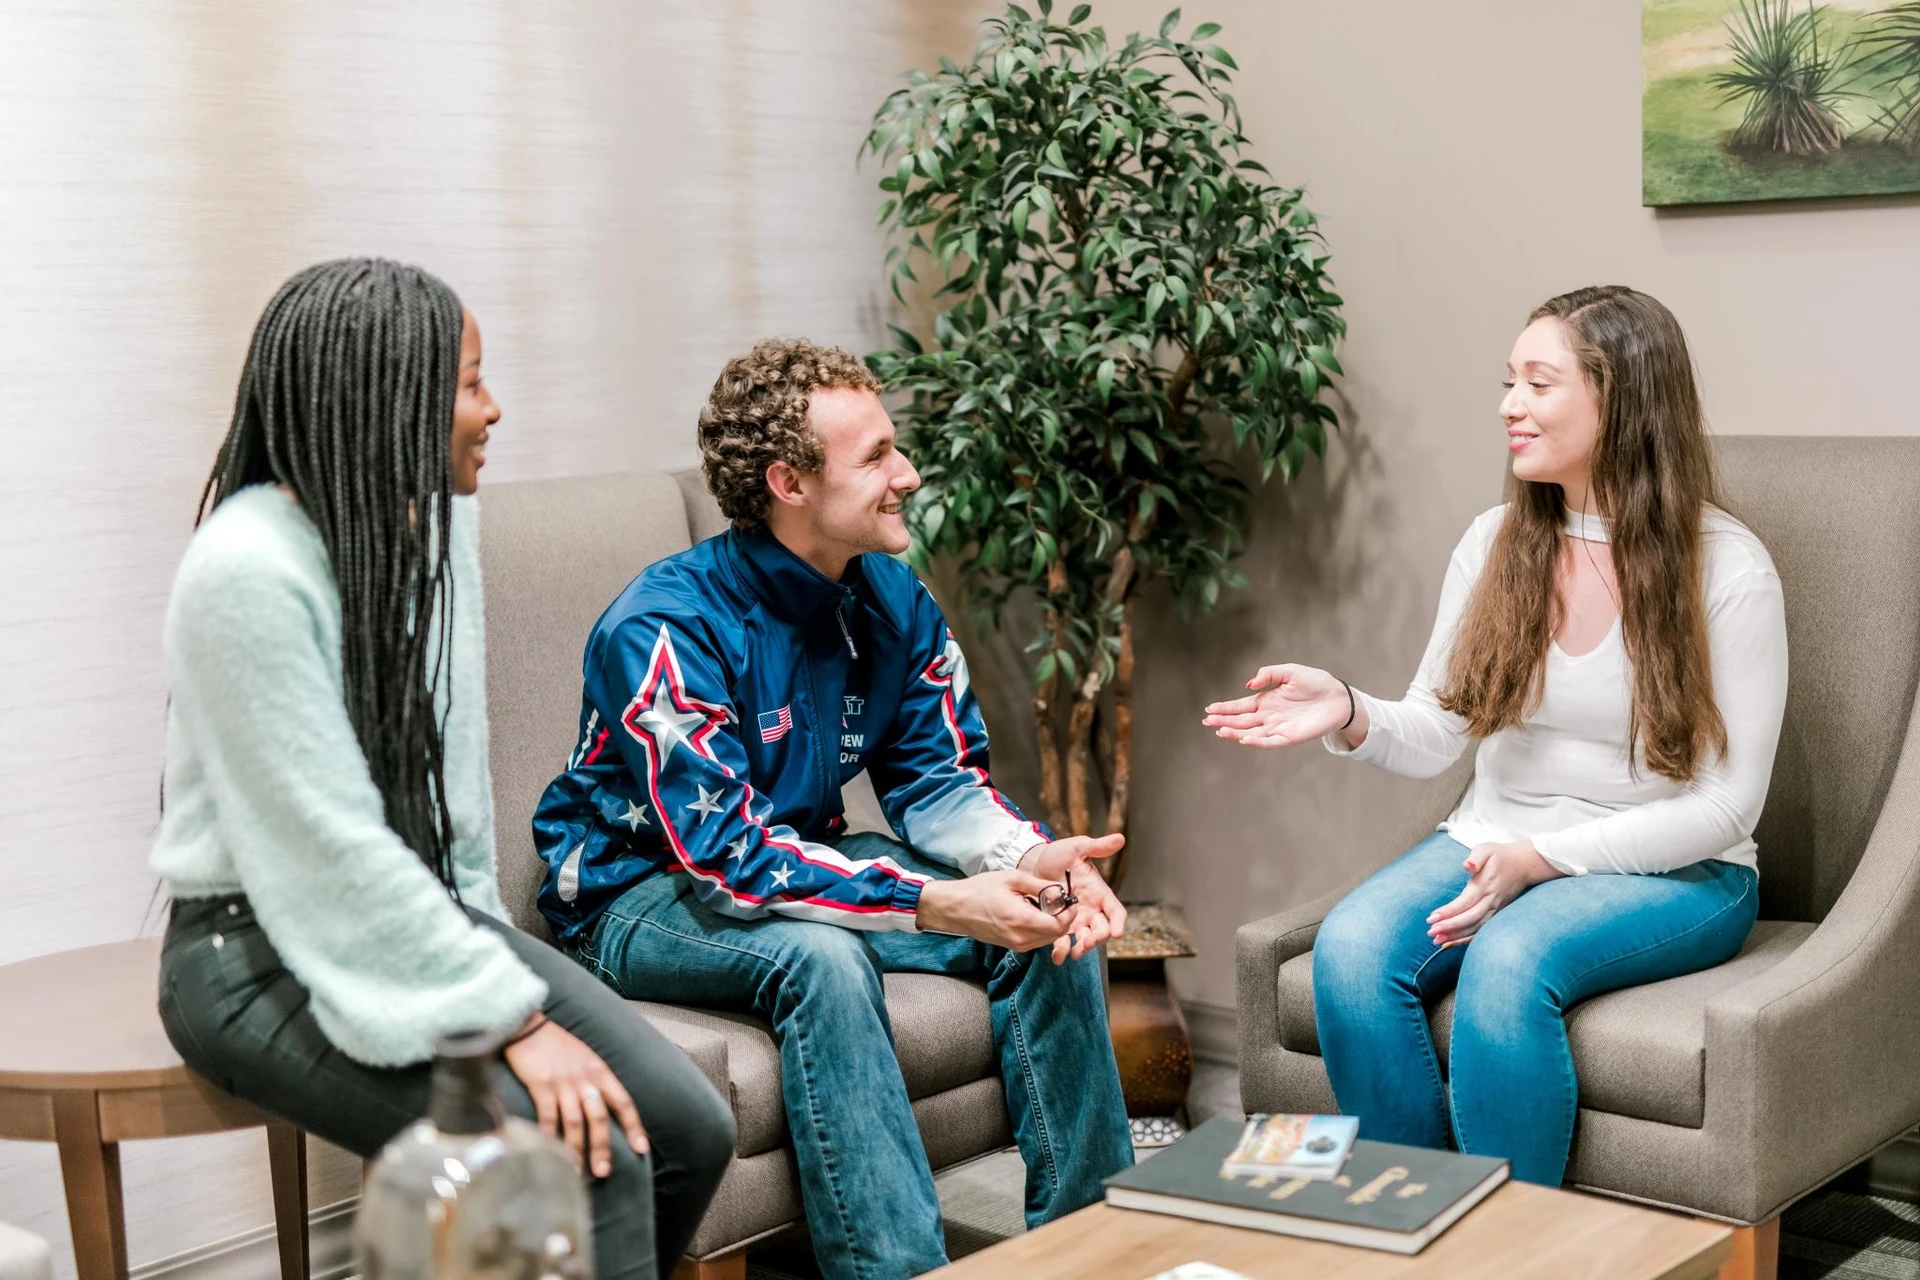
774	725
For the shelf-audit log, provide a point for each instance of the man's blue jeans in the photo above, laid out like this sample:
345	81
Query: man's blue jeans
1513	1094
864	1178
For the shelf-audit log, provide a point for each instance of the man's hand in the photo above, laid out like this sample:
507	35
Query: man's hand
1097	914
991	907
1497	874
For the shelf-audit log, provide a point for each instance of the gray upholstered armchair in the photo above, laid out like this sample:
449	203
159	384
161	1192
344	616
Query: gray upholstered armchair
1732	1092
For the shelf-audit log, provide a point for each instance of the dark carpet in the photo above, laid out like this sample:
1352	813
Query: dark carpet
1845	1235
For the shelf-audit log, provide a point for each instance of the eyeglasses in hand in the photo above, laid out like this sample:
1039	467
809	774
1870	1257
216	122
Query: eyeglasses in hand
1055	898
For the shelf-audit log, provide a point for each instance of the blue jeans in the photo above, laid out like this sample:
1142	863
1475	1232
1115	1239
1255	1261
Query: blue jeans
864	1177
1513	1095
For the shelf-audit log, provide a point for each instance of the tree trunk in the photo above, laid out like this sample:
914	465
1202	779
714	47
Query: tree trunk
1052	795
1046	721
1103	746
1080	756
1118	790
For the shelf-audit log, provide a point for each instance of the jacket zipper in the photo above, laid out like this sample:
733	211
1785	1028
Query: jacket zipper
841	618
829	741
826	752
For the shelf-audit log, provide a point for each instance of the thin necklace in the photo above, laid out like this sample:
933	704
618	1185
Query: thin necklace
1611	594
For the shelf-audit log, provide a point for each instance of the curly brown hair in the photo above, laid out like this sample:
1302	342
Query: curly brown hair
756	416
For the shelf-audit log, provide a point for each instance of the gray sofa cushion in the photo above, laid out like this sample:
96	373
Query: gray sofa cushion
703	513
1640	1052
555	553
940	1028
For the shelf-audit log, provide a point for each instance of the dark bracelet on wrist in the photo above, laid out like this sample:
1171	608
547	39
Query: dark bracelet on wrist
1352	708
535	1020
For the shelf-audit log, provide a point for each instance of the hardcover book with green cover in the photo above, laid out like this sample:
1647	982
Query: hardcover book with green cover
1387	1197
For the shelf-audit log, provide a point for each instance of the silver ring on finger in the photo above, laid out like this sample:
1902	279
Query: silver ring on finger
589	1093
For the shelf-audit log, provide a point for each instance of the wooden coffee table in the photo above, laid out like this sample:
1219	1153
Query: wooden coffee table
1520	1232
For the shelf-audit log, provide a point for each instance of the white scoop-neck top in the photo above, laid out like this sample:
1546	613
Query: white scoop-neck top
1563	777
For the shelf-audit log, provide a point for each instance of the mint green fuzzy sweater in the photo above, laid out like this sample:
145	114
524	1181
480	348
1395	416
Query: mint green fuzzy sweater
268	792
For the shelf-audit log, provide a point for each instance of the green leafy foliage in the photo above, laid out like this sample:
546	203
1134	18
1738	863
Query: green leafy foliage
1129	302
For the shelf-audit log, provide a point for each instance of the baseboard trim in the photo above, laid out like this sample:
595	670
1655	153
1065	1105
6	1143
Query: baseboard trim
1214	1030
255	1254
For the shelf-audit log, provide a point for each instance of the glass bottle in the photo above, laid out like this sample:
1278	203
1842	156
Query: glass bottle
470	1192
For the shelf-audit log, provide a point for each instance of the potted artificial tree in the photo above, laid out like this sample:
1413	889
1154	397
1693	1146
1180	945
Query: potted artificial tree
1129	306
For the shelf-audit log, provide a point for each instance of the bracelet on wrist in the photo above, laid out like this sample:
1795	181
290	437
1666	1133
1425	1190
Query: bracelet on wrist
535	1020
1352	707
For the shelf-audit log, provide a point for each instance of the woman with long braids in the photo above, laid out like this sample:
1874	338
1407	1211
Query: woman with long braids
327	831
1616	645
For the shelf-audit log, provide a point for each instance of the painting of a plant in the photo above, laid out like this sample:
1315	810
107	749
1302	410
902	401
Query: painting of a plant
1779	99
1787	82
1891	56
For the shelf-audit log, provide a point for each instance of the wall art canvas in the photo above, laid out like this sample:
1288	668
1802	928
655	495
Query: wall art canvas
1778	99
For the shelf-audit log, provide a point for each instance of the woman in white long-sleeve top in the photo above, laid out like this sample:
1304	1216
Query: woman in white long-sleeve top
1616	645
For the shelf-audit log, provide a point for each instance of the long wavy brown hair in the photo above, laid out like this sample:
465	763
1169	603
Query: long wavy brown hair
1653	478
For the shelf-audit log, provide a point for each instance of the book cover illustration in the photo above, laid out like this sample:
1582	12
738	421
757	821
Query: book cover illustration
1301	1146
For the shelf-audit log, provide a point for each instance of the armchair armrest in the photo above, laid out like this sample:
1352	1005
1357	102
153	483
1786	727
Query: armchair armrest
1260	949
1263	946
1809	1065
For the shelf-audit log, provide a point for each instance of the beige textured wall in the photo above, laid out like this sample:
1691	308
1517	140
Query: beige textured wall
1467	161
623	193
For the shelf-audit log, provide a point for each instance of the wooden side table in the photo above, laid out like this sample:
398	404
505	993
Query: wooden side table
85	1064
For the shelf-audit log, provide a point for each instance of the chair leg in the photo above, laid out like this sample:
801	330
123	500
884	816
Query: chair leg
287	1159
1756	1253
90	1168
732	1266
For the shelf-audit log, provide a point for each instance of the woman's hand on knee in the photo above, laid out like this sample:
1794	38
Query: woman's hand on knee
1496	875
575	1095
1285	705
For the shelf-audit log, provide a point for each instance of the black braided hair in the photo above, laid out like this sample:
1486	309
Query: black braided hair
347	399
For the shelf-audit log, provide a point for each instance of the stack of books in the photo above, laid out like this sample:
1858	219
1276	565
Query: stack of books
1310	1176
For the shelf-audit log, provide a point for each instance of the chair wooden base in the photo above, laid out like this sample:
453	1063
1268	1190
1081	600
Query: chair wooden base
731	1267
1756	1253
82	1127
90	1167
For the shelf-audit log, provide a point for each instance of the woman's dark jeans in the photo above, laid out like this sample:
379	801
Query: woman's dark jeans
241	1020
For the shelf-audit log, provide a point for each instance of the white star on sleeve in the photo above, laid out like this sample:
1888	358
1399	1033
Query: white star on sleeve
666	724
635	817
738	849
709	802
783	875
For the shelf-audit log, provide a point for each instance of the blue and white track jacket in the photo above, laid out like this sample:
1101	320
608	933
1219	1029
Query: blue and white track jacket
730	691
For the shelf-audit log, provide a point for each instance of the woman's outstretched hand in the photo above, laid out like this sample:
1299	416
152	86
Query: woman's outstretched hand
1288	704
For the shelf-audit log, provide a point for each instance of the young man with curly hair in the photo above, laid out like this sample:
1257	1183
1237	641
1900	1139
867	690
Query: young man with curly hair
697	849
